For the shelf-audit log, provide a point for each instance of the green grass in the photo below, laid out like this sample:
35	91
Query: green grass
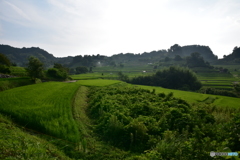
108	75
46	107
97	82
17	144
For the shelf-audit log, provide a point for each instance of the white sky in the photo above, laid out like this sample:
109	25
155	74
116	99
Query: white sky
107	27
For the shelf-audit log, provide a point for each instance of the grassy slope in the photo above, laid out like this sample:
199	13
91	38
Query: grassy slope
17	144
193	97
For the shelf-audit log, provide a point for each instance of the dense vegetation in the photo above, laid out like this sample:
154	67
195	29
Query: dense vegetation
159	126
173	77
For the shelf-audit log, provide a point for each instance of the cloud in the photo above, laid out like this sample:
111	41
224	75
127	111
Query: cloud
18	10
12	13
110	27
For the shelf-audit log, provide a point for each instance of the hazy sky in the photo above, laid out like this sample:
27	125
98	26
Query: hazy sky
107	27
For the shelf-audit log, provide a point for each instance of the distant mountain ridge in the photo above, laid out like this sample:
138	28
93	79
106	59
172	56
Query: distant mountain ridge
20	56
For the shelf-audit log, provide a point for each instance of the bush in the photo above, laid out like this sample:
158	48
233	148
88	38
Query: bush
56	74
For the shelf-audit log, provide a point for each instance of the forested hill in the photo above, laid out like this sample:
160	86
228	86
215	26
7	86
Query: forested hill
182	51
20	56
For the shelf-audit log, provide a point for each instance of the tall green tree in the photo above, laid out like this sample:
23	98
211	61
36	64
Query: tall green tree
35	68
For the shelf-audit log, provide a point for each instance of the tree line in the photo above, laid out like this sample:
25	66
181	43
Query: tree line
172	77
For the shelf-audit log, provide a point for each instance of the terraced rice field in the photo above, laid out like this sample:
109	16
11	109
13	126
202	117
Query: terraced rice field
45	107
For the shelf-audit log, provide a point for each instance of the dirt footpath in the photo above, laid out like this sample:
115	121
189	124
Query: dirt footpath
71	81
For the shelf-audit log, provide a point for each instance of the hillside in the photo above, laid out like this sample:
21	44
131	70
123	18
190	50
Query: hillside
20	55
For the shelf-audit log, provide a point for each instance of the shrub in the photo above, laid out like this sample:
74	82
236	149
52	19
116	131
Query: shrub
56	74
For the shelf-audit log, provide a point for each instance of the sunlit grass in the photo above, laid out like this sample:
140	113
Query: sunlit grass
193	97
97	82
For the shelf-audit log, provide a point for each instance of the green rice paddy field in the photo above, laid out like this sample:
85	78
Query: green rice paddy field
46	107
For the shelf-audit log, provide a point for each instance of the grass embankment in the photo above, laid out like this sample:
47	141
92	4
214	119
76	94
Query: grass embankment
17	144
45	107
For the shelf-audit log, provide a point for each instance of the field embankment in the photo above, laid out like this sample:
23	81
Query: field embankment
17	144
